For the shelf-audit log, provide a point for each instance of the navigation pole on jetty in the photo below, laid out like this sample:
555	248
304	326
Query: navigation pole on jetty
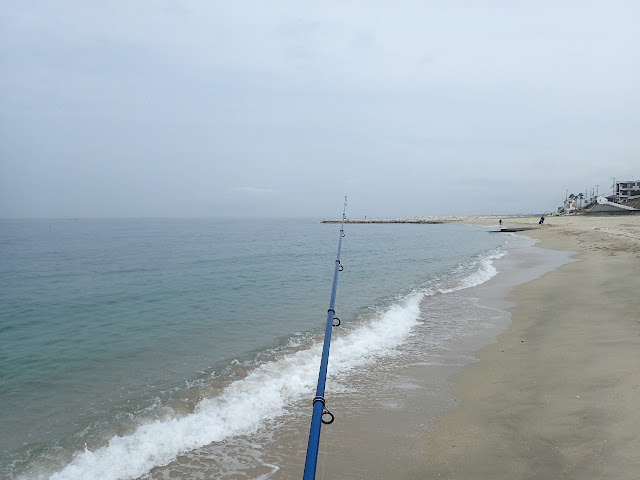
320	410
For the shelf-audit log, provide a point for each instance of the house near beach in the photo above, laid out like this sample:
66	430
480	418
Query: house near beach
625	199
626	190
570	206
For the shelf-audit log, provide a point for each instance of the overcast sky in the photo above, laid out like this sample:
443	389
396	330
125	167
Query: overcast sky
280	108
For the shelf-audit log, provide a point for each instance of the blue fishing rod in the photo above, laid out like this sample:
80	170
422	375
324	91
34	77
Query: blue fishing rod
320	410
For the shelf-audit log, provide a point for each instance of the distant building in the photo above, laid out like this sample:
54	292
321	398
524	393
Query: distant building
624	190
570	206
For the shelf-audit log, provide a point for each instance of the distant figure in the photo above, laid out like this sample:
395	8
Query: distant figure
500	222
541	220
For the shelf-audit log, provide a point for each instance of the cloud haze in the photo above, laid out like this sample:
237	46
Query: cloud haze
281	108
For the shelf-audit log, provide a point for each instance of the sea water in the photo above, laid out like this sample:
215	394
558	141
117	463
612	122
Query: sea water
161	348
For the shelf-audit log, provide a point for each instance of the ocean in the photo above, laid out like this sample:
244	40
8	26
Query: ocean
164	348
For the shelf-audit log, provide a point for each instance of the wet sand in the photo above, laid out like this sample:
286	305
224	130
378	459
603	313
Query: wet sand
558	396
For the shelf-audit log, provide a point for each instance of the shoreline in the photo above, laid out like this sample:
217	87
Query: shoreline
549	392
557	395
384	433
479	219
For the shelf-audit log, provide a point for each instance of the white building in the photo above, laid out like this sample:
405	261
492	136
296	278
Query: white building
570	206
625	188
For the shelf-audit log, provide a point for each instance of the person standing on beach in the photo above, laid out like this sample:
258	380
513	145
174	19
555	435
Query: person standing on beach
541	220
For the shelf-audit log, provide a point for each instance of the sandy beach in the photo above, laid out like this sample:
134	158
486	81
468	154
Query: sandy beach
557	396
551	392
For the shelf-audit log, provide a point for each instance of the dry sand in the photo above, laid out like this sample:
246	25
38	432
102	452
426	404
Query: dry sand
558	397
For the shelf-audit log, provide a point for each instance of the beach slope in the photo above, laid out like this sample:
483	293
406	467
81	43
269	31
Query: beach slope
558	396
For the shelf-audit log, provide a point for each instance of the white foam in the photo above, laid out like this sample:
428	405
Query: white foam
484	272
381	336
245	404
263	394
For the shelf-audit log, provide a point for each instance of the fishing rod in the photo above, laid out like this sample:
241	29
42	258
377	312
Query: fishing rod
320	410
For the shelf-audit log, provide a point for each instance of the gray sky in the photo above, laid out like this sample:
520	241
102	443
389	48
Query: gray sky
280	108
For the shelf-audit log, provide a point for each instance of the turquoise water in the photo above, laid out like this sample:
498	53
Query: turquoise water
118	334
